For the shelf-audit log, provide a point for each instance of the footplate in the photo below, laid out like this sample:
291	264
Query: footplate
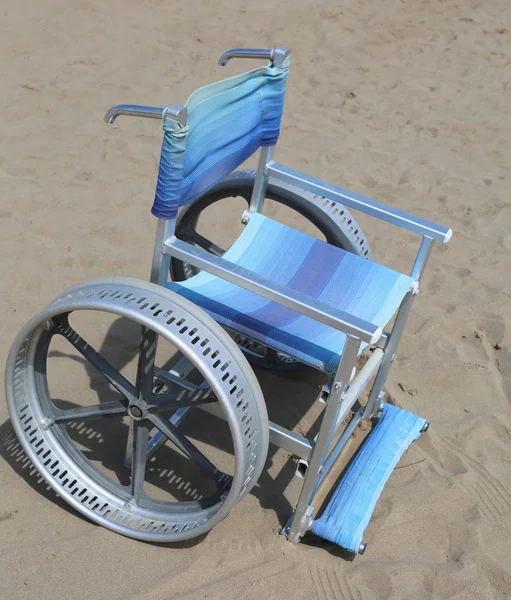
351	506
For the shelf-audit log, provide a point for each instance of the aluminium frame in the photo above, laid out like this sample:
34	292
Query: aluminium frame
340	394
341	391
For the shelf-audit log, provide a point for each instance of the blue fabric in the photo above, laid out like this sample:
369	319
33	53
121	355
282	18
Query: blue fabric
303	263
352	504
227	122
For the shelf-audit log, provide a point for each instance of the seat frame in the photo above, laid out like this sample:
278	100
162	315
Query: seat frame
341	391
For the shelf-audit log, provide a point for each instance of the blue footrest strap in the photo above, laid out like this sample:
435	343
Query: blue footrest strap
348	513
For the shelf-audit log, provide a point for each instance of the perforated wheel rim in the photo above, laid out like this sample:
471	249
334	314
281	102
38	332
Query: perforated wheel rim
70	474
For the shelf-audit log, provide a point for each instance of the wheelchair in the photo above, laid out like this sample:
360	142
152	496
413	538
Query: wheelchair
277	298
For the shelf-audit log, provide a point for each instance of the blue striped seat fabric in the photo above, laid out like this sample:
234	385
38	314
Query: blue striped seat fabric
341	279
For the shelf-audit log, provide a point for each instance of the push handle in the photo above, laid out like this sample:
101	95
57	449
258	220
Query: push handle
175	112
276	56
170	172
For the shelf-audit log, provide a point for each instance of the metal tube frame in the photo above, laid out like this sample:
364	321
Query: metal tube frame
148	339
276	56
375	401
339	394
260	184
338	448
301	518
294	443
359	202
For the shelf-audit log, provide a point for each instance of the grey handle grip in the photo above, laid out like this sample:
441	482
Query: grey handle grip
276	55
175	112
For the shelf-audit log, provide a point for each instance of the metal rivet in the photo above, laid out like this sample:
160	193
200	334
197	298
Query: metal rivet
136	411
46	423
47	325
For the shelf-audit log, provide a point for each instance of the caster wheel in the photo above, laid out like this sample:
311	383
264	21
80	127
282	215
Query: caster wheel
77	441
332	222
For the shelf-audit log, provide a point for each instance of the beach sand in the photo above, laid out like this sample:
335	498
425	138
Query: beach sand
406	102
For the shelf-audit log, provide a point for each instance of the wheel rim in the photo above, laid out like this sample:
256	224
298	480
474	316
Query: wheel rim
43	427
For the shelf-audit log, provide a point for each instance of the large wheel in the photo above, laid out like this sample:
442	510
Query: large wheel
331	220
187	492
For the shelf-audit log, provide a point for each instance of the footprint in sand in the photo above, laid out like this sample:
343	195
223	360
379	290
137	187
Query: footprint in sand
329	582
491	497
497	355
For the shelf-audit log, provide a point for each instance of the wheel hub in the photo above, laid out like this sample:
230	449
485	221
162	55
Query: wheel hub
135	412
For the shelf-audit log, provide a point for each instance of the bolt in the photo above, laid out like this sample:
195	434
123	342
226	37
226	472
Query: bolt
136	412
425	427
337	386
47	325
46	423
244	220
362	548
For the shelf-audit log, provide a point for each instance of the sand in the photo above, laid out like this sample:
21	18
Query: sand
407	102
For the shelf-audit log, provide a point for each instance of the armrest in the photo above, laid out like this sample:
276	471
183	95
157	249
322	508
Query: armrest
306	305
358	202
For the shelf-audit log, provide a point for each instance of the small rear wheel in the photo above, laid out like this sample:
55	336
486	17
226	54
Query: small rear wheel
189	493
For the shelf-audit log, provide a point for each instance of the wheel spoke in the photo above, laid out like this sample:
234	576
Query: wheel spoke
173	400
139	458
110	373
190	485
188	448
145	367
158	439
85	413
144	384
206	244
165	376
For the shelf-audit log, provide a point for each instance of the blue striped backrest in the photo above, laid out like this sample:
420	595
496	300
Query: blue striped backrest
227	122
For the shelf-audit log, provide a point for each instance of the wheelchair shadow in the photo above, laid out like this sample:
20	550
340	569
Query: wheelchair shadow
13	454
288	399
